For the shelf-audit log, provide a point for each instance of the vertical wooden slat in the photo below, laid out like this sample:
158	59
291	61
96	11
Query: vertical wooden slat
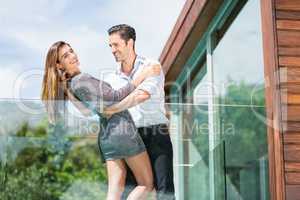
275	146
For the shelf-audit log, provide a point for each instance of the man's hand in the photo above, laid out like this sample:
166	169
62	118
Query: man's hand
107	113
136	97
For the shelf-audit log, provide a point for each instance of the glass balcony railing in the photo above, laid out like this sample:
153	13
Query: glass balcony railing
42	162
219	154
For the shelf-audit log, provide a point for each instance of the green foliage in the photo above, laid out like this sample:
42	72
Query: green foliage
42	164
240	126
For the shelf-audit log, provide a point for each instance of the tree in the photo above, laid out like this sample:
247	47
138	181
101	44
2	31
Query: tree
43	165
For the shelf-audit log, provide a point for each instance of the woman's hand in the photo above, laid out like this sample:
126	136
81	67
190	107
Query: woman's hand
152	70
147	71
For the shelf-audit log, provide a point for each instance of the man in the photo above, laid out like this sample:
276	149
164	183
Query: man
146	105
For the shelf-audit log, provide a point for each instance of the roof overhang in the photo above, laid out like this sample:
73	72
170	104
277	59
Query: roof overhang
191	24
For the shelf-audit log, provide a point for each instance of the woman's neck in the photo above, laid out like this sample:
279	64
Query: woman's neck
75	73
70	74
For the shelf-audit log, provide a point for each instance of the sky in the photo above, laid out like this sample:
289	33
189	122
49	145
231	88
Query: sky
29	28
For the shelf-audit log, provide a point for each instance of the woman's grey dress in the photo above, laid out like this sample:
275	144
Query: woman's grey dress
118	137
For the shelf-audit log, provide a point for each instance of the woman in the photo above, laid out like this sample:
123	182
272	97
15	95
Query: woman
119	141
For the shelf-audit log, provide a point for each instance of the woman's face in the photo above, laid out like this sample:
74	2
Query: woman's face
67	59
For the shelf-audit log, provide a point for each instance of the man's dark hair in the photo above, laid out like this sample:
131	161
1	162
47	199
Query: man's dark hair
126	32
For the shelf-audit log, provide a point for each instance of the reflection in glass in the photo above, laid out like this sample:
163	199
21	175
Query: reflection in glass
238	57
239	79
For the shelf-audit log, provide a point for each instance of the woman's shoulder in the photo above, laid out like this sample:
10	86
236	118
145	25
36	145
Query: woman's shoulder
84	80
81	78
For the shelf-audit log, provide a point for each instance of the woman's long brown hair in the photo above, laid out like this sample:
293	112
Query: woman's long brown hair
53	95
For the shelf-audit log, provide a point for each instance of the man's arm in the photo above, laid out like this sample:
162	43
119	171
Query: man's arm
136	97
149	87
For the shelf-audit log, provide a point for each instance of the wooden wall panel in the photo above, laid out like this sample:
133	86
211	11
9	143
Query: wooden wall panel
289	51
291	138
290	113
288	24
290	5
293	15
288	40
289	75
293	99
290	126
292	192
292	156
292	178
291	88
293	167
292	61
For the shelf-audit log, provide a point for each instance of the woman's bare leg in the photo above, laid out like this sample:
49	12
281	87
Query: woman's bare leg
116	171
142	171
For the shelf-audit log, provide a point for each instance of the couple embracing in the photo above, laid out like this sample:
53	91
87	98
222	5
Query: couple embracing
134	141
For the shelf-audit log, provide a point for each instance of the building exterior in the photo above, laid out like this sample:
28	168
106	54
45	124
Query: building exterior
233	87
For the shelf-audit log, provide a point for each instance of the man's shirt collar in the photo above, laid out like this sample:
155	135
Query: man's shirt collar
139	60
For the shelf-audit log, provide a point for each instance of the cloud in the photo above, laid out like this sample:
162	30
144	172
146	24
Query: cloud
32	26
153	21
8	76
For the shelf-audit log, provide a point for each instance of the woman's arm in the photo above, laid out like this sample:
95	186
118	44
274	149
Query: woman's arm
109	94
78	104
138	96
92	89
75	101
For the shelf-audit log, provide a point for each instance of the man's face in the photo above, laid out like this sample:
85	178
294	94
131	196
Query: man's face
119	48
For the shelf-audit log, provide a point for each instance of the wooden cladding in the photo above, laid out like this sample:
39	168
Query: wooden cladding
292	192
291	138
293	15
289	51
288	47
289	61
290	126
292	156
292	178
290	88
289	5
288	38
290	113
293	99
288	24
289	74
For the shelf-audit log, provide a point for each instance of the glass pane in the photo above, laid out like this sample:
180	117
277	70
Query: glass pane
40	161
195	140
190	136
245	147
240	101
240	165
238	59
